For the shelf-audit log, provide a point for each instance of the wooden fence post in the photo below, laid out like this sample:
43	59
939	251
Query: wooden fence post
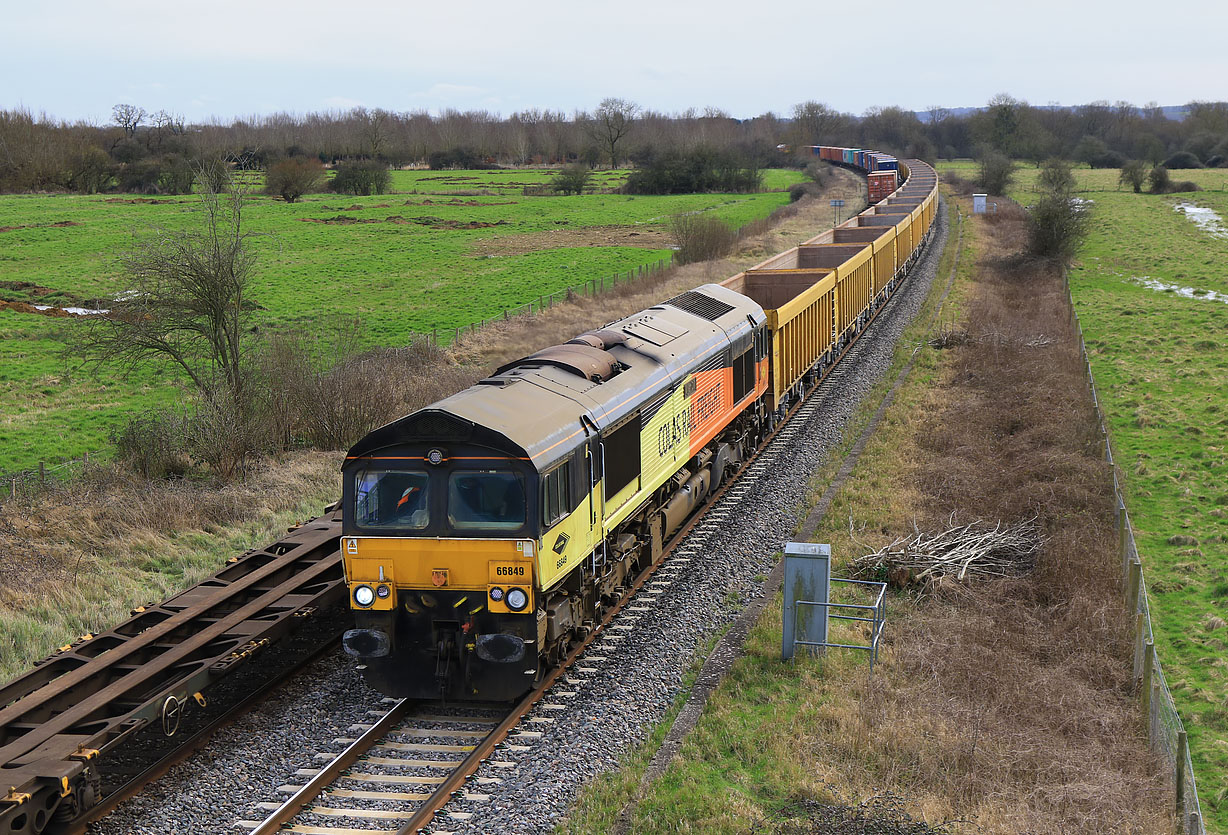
42	472
1132	587
1182	748
1149	651
1140	641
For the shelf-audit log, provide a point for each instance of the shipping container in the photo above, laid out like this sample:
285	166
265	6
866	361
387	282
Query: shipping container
881	185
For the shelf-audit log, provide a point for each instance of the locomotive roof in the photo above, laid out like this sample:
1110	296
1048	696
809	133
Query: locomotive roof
536	407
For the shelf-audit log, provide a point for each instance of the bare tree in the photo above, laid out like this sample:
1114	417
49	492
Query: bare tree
184	301
938	114
128	117
612	121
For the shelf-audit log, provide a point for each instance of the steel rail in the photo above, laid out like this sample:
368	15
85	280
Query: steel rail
329	774
468	767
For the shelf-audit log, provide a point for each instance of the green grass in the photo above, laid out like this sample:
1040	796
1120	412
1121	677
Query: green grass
402	262
1161	366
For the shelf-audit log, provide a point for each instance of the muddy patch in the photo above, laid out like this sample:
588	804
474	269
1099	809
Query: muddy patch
1208	220
559	238
432	222
57	225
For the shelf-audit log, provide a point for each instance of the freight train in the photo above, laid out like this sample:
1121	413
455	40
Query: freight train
483	535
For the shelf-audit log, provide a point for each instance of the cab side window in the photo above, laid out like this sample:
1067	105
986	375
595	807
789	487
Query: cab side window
556	494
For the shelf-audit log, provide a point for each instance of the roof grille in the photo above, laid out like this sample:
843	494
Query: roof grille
438	426
701	305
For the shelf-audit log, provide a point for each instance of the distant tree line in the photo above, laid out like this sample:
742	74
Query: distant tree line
157	153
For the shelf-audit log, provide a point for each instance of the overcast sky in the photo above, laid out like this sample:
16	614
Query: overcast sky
74	59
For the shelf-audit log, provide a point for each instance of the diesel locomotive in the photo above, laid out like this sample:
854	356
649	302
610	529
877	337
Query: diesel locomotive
486	533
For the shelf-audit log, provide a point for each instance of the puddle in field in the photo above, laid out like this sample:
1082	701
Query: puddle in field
76	311
1208	220
1183	292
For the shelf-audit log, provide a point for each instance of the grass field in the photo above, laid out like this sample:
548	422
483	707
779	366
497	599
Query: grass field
443	249
1151	291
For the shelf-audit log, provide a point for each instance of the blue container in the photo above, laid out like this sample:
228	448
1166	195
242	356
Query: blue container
889	164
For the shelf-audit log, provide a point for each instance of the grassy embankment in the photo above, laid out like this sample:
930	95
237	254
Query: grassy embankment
442	250
1003	709
84	554
1160	357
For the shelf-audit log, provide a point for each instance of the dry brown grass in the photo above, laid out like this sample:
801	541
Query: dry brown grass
1009	705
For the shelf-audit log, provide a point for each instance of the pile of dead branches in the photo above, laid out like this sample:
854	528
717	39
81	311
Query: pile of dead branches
961	552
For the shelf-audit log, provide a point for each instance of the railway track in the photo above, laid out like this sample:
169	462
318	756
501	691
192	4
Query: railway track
95	722
406	766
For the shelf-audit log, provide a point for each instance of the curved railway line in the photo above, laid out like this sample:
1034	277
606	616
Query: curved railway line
92	724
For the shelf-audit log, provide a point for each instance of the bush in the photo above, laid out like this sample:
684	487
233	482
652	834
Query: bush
168	175
572	179
701	237
996	172
818	172
1158	180
1056	175
361	178
692	172
1108	159
460	157
152	445
1184	185
1215	161
799	190
1057	225
1133	174
1182	159
291	178
325	392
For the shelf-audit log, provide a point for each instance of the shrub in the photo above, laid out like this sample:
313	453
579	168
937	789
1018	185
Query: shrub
818	172
1056	175
1215	161
1182	159
168	175
996	172
691	172
701	237
1184	185
572	179
291	178
360	178
1158	180
152	445
460	157
1108	159
798	190
1057	225
1133	174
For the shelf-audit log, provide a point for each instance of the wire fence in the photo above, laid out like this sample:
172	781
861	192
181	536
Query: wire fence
27	483
1165	729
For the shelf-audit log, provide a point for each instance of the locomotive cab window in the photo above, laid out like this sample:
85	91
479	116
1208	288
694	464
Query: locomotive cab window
486	500
556	494
392	499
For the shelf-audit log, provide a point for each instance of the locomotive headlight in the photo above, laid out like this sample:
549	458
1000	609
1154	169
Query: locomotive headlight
517	599
382	591
496	594
364	596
